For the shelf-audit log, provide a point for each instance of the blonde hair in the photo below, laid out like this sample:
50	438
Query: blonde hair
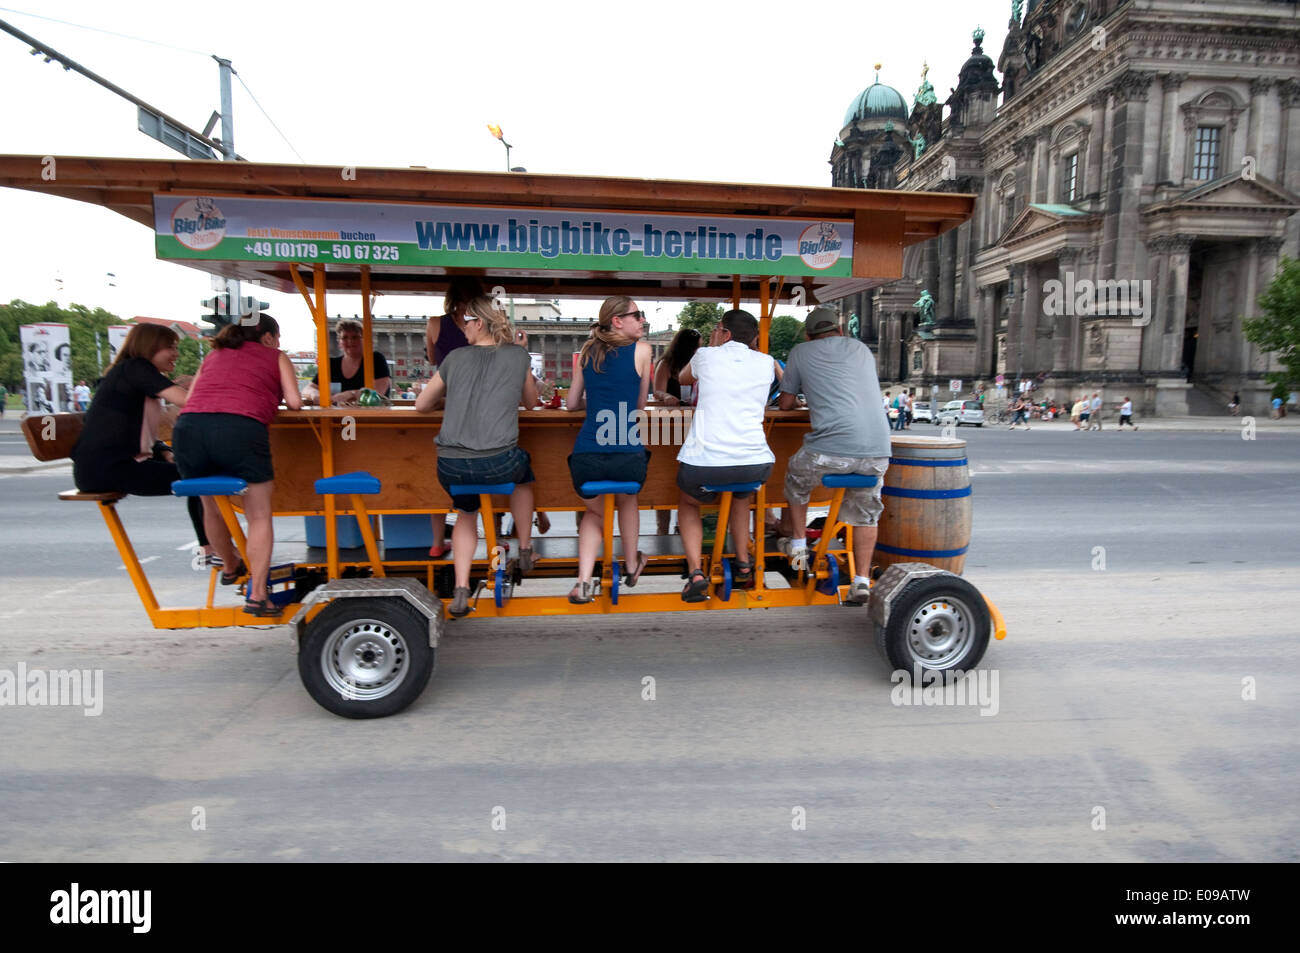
603	338
348	324
494	319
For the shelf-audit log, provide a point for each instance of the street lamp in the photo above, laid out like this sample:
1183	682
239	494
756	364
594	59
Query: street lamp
496	134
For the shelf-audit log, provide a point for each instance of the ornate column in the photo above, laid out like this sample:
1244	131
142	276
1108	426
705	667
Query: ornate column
1259	274
1289	93
1262	147
1171	152
946	291
1096	133
1065	325
1172	253
1122	225
1015	318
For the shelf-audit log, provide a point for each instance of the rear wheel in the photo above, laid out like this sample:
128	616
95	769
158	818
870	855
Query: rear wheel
366	658
939	623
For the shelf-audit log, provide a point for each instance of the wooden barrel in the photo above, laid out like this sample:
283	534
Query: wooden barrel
927	497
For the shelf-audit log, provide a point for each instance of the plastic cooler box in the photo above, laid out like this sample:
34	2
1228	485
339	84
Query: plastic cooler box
348	529
407	531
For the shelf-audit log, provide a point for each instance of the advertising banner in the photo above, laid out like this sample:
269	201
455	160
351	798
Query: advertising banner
47	367
218	228
116	335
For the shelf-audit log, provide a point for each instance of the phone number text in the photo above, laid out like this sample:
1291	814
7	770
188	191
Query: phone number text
300	251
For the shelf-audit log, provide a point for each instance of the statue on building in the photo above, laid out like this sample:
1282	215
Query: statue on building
854	325
925	304
1017	8
918	146
925	94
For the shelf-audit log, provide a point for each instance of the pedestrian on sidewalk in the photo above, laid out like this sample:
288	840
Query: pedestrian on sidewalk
1094	406
1234	406
1126	414
4	397
1019	409
1078	413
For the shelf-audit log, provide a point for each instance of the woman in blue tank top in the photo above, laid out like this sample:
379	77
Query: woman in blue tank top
612	381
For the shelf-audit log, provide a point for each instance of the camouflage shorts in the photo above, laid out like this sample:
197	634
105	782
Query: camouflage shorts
862	505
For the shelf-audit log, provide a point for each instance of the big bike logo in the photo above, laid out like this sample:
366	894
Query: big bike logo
198	224
820	245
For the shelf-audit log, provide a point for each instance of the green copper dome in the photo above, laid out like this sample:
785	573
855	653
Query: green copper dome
877	101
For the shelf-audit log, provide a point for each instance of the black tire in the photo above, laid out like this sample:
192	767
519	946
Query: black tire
387	640
940	623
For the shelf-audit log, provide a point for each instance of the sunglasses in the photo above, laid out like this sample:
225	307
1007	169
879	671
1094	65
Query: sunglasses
639	315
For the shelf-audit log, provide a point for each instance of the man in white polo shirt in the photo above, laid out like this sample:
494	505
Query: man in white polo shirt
726	443
837	376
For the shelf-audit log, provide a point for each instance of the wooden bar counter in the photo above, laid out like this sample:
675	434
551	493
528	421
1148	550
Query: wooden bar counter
396	445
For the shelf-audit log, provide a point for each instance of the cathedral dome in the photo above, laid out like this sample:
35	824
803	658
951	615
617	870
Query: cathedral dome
877	101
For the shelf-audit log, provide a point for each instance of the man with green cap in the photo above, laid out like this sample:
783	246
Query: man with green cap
849	434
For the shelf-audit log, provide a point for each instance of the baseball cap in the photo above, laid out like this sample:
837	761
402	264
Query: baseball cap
820	320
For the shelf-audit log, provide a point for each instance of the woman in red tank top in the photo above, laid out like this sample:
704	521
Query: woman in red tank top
222	431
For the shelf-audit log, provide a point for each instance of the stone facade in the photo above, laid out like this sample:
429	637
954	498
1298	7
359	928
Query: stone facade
1136	183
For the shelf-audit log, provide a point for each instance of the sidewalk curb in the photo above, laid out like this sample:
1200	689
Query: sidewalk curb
34	466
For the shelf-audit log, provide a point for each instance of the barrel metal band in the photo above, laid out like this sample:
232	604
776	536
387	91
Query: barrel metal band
908	494
913	462
922	553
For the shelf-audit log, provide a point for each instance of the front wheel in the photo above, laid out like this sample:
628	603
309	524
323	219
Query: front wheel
939	623
366	658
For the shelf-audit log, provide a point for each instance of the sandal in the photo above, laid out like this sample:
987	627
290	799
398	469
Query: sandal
230	578
742	575
262	608
438	552
459	602
641	560
583	592
696	588
527	560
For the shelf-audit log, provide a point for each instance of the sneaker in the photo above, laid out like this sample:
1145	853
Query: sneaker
459	602
859	593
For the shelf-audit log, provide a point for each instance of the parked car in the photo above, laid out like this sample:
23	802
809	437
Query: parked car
960	412
921	411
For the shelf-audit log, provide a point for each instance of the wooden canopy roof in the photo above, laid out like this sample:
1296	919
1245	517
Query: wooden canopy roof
885	222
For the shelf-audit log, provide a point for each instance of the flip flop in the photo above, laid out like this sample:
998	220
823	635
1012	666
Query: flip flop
230	578
438	552
632	577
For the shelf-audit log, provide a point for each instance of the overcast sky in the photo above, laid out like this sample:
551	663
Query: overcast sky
743	92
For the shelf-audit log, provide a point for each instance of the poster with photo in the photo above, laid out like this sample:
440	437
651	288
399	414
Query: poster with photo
47	367
116	335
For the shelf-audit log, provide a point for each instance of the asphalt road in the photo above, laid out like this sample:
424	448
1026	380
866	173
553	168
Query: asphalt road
1120	691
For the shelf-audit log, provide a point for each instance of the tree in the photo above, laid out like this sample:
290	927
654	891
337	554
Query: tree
83	326
783	335
703	316
1277	329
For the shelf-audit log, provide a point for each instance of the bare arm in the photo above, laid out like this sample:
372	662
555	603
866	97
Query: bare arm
787	401
383	384
310	393
289	383
577	398
661	384
684	376
530	390
176	394
644	364
429	398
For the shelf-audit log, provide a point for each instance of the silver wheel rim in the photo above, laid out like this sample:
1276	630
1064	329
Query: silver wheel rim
365	660
940	632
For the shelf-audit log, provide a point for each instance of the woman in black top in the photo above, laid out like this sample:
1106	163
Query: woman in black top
348	370
118	451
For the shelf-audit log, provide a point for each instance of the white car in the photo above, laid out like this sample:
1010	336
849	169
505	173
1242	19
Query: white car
921	411
960	412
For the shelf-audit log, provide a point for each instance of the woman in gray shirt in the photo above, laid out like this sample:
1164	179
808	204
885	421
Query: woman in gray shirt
484	384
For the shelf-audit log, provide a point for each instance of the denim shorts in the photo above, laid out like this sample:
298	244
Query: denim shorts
512	466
